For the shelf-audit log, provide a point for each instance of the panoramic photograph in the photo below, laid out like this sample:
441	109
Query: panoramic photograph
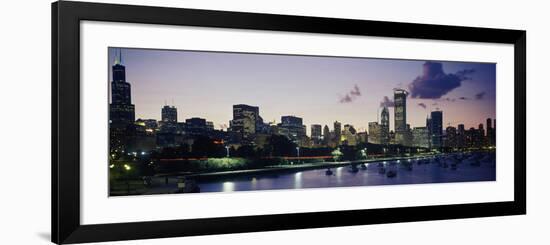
183	121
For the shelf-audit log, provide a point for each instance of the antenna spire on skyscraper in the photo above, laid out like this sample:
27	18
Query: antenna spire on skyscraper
118	58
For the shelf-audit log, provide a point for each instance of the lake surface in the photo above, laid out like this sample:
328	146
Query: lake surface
442	169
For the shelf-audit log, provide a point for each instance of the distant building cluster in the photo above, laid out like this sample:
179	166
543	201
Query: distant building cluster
430	136
248	128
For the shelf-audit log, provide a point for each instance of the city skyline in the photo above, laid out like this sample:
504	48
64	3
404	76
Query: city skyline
468	100
188	147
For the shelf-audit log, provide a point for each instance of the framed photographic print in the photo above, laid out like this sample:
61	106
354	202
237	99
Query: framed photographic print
176	122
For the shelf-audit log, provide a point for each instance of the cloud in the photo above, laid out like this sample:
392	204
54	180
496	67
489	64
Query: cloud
480	96
386	102
435	83
422	105
346	99
355	91
351	95
449	99
465	73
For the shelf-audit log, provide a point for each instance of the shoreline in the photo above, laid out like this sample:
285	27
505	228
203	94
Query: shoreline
174	179
281	169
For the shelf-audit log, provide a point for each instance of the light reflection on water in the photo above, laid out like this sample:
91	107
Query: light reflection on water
298	180
228	186
339	175
254	183
408	172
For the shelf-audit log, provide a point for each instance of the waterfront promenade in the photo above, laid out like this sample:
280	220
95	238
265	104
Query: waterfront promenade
429	168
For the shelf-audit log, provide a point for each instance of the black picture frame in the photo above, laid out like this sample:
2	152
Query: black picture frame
66	18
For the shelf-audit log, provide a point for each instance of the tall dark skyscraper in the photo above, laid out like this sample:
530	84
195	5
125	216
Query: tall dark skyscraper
400	115
121	109
169	123
461	136
374	133
169	114
489	126
246	121
481	130
451	137
316	133
384	126
337	132
293	127
490	133
436	128
481	135
326	135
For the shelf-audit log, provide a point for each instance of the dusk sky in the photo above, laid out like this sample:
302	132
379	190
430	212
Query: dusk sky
321	90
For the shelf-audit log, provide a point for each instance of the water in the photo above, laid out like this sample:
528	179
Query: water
437	170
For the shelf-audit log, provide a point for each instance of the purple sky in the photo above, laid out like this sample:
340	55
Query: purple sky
207	84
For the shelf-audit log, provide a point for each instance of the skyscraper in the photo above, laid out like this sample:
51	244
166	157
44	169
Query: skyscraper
421	137
169	114
481	130
337	132
475	137
490	133
461	136
195	126
326	135
245	121
169	126
400	115
450	137
349	135
374	133
209	125
384	126
489	126
121	109
362	137
316	133
436	128
481	135
293	128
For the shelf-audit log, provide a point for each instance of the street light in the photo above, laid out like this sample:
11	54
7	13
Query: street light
127	177
298	153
